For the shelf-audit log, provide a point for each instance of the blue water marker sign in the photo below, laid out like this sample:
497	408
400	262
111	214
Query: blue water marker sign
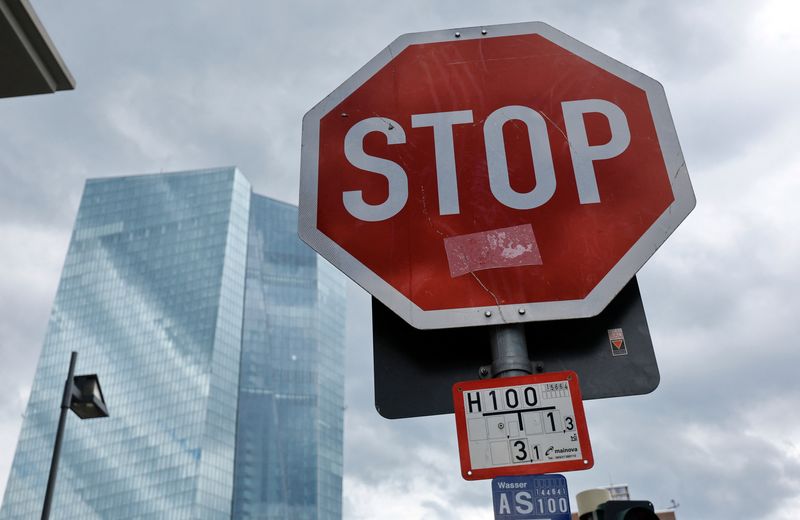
531	497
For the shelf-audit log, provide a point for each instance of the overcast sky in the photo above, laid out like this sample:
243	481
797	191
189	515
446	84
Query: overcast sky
165	86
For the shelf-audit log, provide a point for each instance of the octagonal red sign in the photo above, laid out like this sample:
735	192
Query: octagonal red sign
491	175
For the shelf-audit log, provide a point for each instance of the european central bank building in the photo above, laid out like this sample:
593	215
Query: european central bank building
218	341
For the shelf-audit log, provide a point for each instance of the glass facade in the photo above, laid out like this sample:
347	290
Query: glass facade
152	297
289	438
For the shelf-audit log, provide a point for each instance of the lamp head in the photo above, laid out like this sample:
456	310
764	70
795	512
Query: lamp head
87	397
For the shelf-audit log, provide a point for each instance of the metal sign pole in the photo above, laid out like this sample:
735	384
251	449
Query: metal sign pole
509	351
66	400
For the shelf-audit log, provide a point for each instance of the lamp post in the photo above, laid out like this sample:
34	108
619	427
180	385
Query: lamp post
82	395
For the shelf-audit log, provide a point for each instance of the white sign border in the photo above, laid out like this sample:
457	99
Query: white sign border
606	289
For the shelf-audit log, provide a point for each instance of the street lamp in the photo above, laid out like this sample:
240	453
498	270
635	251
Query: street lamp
82	395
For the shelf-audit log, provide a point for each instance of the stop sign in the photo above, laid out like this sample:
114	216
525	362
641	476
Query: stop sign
491	175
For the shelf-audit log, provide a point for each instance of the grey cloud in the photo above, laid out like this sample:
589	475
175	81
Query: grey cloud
723	461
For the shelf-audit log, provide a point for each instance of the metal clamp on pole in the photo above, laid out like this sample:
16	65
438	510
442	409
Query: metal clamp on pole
509	351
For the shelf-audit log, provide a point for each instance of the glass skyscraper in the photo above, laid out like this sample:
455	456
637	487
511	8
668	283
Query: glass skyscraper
289	439
218	340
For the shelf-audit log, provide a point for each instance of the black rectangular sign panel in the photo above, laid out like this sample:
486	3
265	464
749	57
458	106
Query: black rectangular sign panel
415	369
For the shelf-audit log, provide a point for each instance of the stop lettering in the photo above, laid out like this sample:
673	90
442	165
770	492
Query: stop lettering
509	173
583	155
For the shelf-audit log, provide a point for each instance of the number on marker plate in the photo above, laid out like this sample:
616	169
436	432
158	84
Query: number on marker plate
521	450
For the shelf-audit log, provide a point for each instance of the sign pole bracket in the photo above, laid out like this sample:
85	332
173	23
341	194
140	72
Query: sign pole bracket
509	352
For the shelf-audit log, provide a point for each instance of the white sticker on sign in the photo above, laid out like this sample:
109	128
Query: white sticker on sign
522	424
